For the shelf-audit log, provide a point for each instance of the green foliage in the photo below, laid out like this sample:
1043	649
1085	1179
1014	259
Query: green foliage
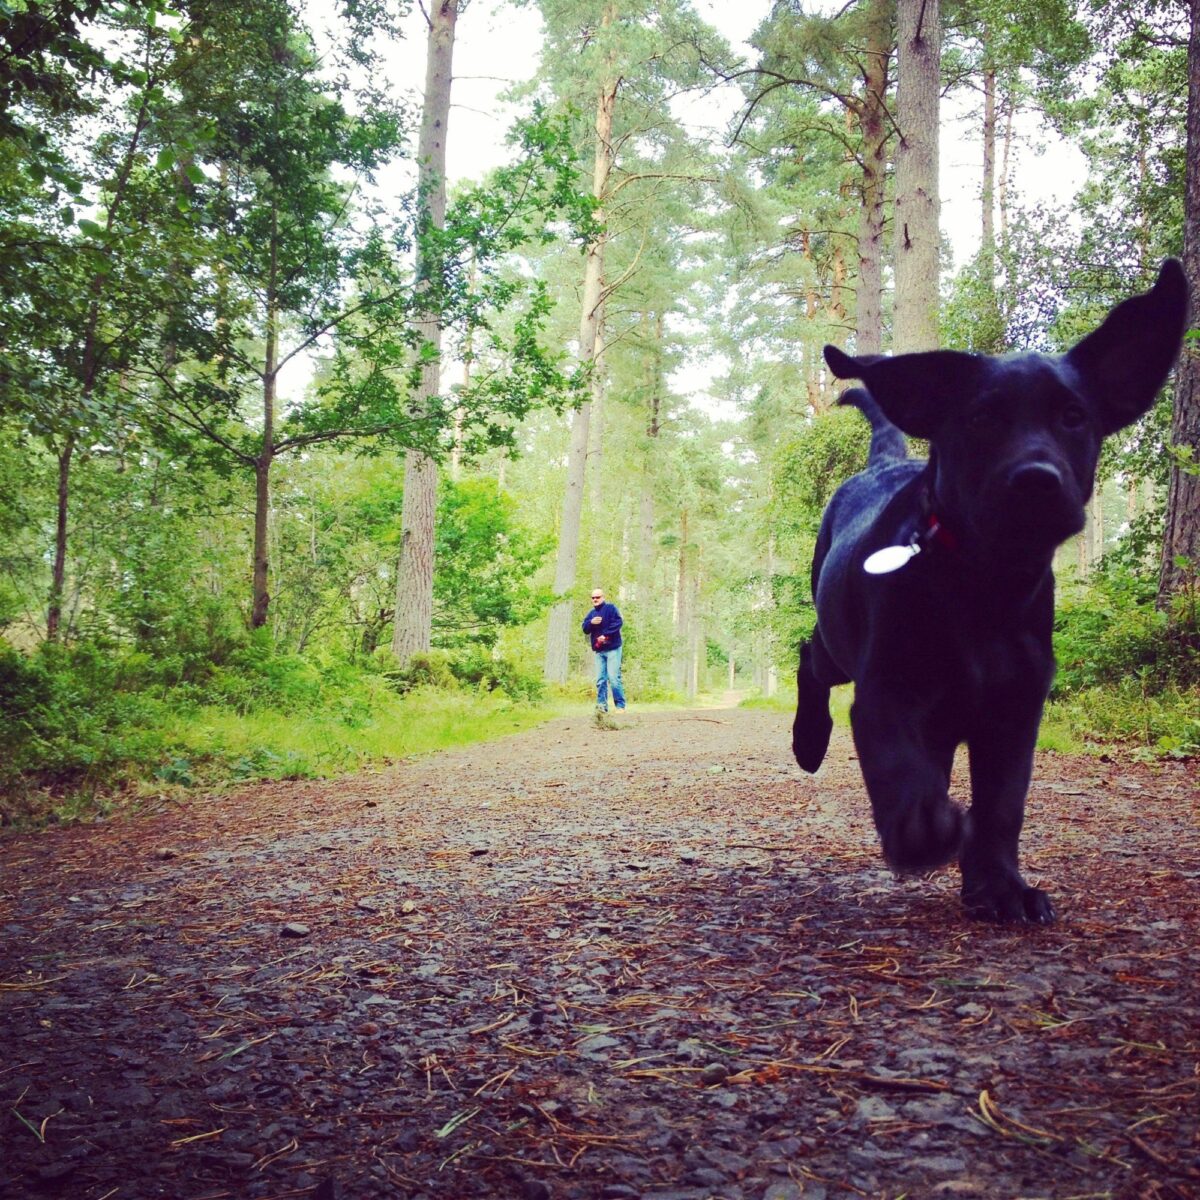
815	463
1127	672
807	470
66	723
488	672
88	720
1111	633
488	565
1165	722
972	317
430	670
470	668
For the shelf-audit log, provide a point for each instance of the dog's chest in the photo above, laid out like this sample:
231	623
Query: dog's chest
983	665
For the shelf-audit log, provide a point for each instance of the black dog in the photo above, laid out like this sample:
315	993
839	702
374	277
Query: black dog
933	585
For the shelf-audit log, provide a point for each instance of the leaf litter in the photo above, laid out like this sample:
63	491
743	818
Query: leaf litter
639	976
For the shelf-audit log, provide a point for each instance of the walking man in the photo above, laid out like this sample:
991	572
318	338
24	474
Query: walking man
603	626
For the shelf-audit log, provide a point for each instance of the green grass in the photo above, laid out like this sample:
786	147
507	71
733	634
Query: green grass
212	742
776	703
1167	724
207	746
784	700
1162	722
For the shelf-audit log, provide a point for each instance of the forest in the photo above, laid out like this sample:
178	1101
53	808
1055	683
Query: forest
310	454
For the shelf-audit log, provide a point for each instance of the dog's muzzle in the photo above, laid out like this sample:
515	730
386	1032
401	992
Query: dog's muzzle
1042	503
1037	483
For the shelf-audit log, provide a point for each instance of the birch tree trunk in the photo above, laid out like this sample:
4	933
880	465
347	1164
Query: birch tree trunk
412	632
561	621
918	242
682	612
695	636
1181	539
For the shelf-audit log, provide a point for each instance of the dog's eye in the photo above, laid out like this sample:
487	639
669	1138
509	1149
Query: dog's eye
1073	416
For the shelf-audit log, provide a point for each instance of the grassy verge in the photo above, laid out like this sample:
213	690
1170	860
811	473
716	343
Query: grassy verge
1151	723
272	745
1092	720
210	746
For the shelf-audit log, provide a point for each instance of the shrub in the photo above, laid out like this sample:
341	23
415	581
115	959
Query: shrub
488	673
431	669
255	676
65	724
1111	632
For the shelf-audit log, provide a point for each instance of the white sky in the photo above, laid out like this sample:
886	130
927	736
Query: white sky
497	45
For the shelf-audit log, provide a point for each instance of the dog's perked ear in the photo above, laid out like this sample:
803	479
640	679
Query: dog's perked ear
916	391
1123	364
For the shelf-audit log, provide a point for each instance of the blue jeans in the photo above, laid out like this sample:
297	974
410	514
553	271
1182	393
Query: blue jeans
608	670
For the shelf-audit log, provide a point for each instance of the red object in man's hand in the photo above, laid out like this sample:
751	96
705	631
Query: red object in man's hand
601	640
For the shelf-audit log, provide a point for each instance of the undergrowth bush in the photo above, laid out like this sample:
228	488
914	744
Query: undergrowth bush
1126	671
480	669
65	723
81	722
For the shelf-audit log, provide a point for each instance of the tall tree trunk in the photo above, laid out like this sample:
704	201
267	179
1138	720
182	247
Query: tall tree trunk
682	614
262	465
770	680
918	241
596	458
1181	541
695	635
58	577
1010	105
412	632
993	331
558	635
988	197
654	388
872	114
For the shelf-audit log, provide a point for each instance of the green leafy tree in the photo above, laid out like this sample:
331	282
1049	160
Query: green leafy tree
85	294
619	63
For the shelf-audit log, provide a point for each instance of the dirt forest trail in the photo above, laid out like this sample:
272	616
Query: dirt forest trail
656	963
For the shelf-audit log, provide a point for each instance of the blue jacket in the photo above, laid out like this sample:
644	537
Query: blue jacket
610	626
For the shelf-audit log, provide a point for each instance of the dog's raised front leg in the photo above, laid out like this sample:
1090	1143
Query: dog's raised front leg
992	886
813	724
907	778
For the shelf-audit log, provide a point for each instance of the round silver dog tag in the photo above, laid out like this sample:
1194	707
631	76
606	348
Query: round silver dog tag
890	558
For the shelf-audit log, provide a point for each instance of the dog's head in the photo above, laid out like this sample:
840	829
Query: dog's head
1015	440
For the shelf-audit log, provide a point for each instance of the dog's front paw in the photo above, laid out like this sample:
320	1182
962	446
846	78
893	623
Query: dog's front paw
923	836
810	737
1008	900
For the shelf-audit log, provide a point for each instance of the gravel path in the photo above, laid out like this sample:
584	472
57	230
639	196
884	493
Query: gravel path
655	962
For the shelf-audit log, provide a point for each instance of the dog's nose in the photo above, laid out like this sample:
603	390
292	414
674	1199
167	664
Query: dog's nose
1036	481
